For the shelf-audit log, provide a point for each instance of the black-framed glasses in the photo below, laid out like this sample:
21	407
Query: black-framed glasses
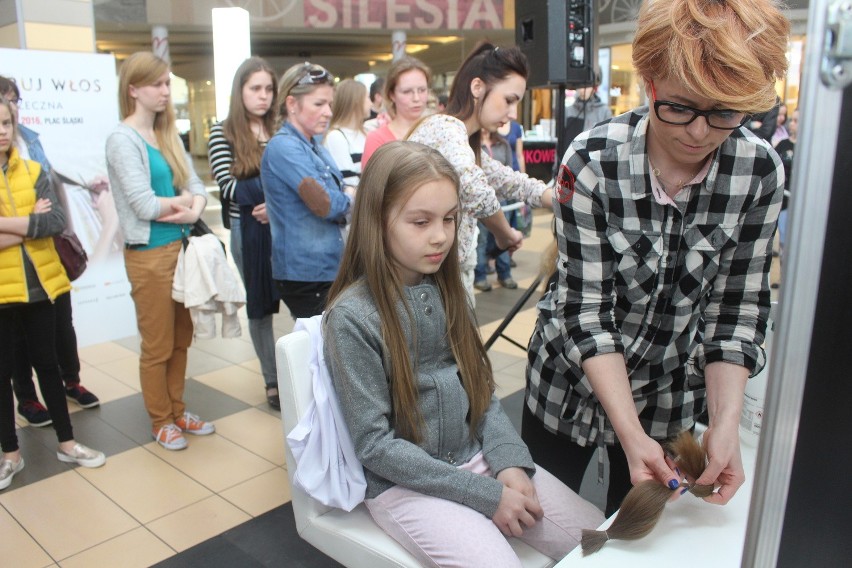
676	113
13	99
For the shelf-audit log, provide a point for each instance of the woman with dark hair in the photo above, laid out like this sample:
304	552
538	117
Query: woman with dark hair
488	86
234	150
307	201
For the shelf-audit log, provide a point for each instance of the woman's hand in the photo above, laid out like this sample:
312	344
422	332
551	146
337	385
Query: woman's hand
259	213
42	206
725	467
180	215
646	460
510	241
515	512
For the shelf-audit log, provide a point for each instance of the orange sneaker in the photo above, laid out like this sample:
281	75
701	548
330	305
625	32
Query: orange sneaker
170	437
192	424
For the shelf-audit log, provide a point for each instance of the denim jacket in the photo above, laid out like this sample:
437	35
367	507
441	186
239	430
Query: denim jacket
34	147
305	247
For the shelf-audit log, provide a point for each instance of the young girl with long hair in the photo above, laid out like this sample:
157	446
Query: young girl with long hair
234	150
157	196
446	471
406	94
346	135
485	93
33	277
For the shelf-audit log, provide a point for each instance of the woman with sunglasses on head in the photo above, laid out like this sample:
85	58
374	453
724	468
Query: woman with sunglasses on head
234	150
665	217
406	94
306	198
485	94
157	196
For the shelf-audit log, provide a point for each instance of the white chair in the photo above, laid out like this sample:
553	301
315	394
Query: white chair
353	538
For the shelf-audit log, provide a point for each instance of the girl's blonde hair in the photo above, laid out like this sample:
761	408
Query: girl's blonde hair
394	172
141	69
731	51
298	81
399	67
246	151
348	107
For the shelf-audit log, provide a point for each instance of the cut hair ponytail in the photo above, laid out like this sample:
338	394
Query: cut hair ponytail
644	503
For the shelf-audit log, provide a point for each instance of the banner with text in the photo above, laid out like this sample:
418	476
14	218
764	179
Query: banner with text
70	100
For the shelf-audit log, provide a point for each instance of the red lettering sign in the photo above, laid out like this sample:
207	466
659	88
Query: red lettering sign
404	14
540	156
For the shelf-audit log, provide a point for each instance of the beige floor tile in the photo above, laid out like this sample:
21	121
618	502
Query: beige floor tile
500	359
262	493
66	515
511	379
238	382
106	387
24	552
252	365
257	431
137	548
235	350
125	369
196	523
214	462
520	329
144	485
103	353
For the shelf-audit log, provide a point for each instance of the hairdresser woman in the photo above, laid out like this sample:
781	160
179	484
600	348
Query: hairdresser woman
485	93
306	199
664	218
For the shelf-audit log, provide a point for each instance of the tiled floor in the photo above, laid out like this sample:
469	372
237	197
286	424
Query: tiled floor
227	494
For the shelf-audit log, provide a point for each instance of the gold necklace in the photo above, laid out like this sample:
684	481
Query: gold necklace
680	183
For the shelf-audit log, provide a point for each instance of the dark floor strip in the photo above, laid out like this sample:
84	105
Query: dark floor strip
269	540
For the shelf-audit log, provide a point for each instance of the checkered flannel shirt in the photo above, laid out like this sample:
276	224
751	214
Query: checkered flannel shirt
672	288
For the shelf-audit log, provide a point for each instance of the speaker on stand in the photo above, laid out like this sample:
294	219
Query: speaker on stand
560	40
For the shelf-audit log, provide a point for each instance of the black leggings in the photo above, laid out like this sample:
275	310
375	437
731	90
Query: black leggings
569	461
36	322
66	354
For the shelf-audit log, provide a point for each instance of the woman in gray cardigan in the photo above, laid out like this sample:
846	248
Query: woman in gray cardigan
446	471
157	196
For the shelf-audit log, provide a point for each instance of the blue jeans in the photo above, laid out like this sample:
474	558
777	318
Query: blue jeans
484	246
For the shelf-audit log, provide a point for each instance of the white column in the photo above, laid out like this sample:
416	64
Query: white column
160	43
231	46
398	41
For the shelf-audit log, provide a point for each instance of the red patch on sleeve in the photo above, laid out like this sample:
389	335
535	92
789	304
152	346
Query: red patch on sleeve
564	185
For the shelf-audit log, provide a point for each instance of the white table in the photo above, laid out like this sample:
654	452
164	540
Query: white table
690	532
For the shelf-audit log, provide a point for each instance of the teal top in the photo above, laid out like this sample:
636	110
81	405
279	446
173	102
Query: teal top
162	182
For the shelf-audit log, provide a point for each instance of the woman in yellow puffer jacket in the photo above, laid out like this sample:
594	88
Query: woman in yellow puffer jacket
31	277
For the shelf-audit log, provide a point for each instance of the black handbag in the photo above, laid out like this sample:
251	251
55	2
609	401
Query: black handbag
199	229
71	253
